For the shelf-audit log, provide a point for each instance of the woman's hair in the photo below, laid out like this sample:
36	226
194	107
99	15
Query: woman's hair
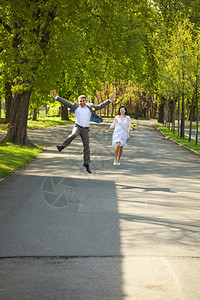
126	112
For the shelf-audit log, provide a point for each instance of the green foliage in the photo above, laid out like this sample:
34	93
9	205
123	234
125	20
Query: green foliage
76	46
177	55
171	9
25	33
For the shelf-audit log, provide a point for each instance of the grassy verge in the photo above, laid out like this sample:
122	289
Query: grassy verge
48	122
43	123
169	134
13	157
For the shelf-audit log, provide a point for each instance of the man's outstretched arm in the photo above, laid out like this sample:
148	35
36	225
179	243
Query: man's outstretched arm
61	100
102	105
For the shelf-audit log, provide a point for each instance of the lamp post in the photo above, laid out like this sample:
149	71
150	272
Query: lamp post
183	102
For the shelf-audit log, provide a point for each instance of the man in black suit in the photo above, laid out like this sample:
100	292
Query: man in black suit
83	114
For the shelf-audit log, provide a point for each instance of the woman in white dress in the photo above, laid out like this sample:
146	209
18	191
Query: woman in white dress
121	123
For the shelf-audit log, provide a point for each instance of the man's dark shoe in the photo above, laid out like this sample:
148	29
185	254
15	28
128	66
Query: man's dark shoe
60	148
87	168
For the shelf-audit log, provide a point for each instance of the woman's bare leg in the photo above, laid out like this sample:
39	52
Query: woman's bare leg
116	151
120	153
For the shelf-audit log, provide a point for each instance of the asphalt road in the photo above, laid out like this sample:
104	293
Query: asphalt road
123	232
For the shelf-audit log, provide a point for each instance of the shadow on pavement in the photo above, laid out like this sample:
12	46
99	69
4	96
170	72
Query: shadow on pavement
62	233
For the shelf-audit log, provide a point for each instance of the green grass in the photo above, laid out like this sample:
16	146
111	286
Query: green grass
169	134
4	127
194	127
48	122
13	157
43	123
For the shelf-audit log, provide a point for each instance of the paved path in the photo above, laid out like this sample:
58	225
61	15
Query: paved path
123	232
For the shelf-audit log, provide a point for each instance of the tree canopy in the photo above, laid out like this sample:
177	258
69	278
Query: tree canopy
77	46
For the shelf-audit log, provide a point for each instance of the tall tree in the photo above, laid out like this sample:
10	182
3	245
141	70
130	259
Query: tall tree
91	42
25	31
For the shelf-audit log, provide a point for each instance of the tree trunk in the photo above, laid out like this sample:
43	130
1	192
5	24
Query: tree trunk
174	115
17	130
191	119
161	113
34	115
8	101
197	116
64	113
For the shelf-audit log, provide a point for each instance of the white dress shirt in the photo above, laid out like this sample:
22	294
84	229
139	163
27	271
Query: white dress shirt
83	115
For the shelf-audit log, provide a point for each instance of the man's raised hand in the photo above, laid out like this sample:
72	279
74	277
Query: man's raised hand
53	94
112	97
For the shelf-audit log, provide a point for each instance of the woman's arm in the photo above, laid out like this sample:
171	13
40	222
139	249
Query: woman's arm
114	123
108	130
128	126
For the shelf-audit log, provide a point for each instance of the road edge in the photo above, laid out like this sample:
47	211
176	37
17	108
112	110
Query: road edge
189	149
